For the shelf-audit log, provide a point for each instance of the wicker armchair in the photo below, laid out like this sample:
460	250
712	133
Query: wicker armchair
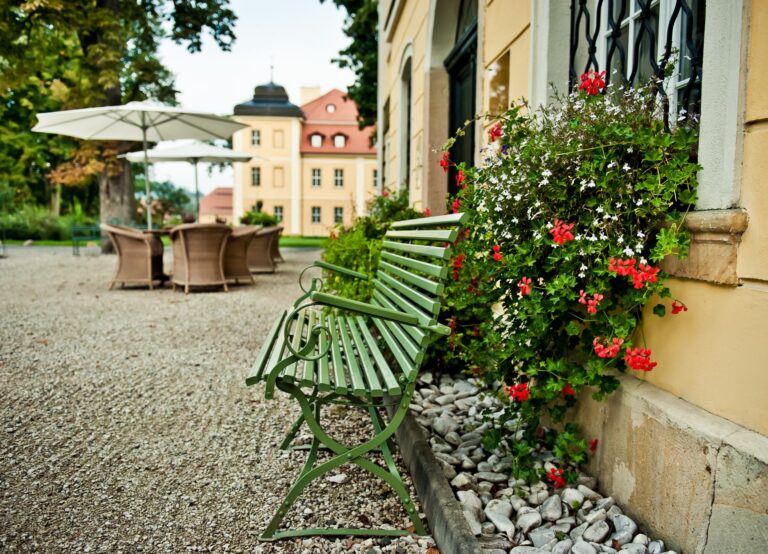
139	256
236	254
198	255
276	255
261	257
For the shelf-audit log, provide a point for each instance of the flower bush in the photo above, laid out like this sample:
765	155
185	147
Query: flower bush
573	207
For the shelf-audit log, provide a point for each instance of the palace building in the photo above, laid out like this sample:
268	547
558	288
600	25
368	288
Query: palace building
313	167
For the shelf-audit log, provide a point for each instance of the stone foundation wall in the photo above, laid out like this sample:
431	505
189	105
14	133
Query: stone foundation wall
697	480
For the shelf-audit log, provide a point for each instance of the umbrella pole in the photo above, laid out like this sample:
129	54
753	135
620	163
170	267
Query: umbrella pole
197	193
146	173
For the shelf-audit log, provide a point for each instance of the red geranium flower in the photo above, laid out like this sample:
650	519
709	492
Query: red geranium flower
460	179
607	350
591	303
561	232
445	161
592	82
568	390
385	193
519	392
525	286
593	445
639	359
455	205
427	213
556	476
678	307
495	131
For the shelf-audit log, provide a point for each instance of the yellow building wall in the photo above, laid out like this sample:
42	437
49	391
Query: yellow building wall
713	355
273	157
328	196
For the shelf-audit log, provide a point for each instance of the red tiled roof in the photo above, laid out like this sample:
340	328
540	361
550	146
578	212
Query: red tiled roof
343	120
217	202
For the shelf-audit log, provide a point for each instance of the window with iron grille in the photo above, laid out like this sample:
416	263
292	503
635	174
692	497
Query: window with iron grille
338	177
338	214
255	176
279	213
315	214
316	177
635	41
255	137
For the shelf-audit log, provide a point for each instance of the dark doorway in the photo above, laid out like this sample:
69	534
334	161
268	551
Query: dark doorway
461	65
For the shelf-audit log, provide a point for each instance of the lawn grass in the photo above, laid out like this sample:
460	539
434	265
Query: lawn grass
290	241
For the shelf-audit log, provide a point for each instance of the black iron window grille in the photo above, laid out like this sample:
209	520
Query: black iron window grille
637	40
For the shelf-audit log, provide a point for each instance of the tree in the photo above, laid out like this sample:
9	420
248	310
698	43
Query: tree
361	56
61	54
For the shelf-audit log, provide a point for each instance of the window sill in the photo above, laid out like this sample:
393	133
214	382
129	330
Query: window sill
715	238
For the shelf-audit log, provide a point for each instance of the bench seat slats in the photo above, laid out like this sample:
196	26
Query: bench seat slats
412	278
439	271
355	376
412	294
257	371
404	304
434	221
324	378
435	235
432	251
297	335
369	371
416	333
406	364
387	375
339	377
308	378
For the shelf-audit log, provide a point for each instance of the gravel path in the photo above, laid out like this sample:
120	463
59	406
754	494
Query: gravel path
125	424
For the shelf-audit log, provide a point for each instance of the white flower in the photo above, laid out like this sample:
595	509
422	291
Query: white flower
630	149
643	261
611	165
639	246
515	220
603	236
620	240
592	238
639	202
536	235
599	209
548	225
591	184
518	197
582	274
628	251
546	173
619	205
626	167
596	223
640	235
583	267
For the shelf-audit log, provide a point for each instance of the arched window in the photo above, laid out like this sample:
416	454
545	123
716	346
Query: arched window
339	141
406	78
330	108
316	140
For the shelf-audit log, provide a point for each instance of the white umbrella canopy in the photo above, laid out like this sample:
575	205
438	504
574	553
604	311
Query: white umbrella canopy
137	121
193	153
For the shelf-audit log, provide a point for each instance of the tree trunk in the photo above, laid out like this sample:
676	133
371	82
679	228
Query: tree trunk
56	200
115	200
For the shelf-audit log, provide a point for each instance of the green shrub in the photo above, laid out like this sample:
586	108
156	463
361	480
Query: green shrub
358	246
37	223
257	217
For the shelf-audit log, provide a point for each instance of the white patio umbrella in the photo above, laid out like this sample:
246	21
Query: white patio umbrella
137	121
193	153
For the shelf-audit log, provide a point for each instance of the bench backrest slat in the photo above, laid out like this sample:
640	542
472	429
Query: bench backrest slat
387	375
439	271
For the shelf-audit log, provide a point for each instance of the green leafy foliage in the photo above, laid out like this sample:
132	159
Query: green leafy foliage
570	208
256	217
361	55
358	246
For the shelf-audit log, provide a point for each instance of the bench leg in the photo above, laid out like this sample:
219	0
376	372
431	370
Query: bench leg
292	433
310	412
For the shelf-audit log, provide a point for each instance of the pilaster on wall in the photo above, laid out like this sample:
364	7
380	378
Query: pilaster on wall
550	44
296	215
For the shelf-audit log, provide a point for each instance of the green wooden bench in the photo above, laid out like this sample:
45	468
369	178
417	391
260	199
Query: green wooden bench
83	233
326	349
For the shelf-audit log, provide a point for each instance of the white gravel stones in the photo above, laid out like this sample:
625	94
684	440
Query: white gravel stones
597	532
126	426
498	512
535	517
552	509
338	479
528	520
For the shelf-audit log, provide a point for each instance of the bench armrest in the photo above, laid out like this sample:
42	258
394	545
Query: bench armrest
342	270
376	311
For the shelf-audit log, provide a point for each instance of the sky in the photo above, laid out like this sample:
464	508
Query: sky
298	37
